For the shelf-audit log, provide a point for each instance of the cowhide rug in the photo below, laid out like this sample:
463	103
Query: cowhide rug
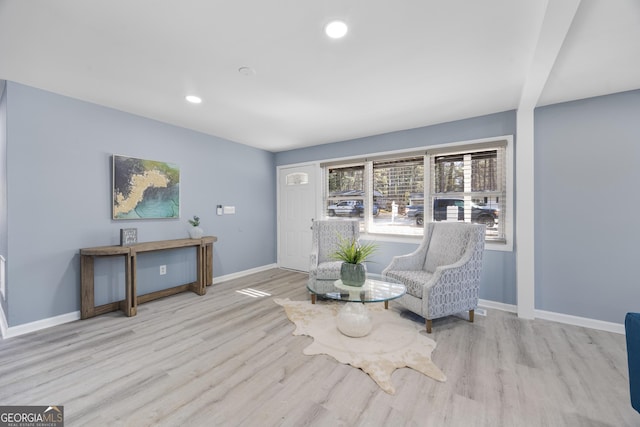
393	343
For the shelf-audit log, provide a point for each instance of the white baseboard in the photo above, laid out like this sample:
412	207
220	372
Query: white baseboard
25	328
497	305
585	322
239	274
568	319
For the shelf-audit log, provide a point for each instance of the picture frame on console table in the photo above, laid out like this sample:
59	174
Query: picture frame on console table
144	189
128	236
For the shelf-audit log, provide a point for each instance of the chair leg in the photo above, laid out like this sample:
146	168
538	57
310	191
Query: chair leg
428	324
471	312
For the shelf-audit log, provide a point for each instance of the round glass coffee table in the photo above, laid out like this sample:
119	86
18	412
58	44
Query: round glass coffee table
353	319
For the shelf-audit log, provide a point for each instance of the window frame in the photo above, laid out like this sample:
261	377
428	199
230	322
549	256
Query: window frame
469	145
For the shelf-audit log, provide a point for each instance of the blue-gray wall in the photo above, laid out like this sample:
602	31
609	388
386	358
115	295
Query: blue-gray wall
587	157
462	130
498	281
59	196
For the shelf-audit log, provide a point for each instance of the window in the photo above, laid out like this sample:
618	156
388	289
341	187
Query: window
345	194
397	184
395	194
297	178
469	185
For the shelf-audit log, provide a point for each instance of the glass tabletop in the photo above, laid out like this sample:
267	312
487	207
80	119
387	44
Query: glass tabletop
376	289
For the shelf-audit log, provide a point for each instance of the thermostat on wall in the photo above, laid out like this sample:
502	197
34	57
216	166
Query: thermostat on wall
229	210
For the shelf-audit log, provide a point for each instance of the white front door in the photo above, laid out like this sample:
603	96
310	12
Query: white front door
296	211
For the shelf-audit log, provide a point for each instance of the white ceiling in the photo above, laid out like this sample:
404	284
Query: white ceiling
403	64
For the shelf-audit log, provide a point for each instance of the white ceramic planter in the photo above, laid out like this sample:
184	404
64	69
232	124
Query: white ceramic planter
196	232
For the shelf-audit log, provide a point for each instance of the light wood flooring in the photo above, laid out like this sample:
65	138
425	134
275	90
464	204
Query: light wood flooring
228	359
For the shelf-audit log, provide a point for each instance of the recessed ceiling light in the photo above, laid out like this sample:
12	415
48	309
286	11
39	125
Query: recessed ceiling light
336	29
246	71
193	99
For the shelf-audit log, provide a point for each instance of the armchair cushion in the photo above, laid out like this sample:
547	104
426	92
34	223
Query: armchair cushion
328	270
414	280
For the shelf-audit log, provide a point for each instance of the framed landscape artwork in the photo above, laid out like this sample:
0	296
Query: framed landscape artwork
144	189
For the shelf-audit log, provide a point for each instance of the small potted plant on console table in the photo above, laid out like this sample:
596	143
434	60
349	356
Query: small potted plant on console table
353	255
195	231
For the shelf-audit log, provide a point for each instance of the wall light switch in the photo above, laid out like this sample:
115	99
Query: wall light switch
229	210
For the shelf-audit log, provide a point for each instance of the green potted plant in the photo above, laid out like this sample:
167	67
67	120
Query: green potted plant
353	256
195	231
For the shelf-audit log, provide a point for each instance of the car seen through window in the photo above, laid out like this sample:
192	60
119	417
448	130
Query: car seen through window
350	208
480	214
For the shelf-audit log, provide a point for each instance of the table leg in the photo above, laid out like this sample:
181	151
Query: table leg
199	286
313	298
87	301
131	280
208	261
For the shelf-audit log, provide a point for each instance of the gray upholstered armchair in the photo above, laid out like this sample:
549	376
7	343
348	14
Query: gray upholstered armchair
326	236
442	276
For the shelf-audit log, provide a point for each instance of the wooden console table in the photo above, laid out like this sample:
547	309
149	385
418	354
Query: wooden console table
129	305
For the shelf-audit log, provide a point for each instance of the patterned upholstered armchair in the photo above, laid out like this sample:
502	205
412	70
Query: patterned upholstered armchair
326	236
442	276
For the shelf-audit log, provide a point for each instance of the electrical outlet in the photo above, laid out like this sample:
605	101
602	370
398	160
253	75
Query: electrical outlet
163	270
